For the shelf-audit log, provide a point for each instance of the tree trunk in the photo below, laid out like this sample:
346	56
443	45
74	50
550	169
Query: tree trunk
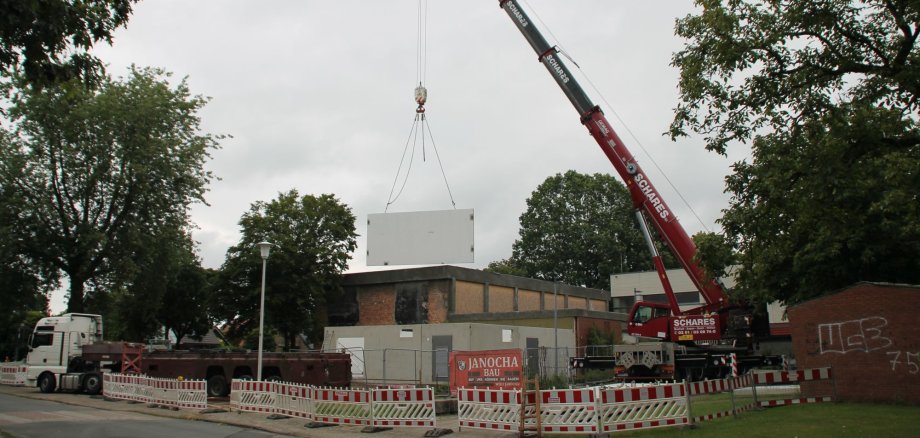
75	302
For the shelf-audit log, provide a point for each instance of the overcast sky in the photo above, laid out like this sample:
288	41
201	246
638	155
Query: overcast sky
318	96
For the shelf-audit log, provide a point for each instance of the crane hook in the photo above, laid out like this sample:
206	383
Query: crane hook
421	95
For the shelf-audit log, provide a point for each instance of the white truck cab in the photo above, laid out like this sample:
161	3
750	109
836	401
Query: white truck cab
55	347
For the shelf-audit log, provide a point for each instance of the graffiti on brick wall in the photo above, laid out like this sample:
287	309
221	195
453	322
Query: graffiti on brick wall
865	335
904	360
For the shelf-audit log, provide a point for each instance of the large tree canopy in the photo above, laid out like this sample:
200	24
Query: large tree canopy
36	35
101	173
23	284
827	94
578	229
313	237
749	65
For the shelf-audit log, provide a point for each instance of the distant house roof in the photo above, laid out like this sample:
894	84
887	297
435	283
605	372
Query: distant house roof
209	339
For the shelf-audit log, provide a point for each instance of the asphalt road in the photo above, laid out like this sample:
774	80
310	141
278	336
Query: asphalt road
24	417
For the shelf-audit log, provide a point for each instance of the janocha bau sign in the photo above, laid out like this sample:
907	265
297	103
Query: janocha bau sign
496	369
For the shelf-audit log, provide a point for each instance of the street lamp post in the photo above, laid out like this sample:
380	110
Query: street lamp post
264	248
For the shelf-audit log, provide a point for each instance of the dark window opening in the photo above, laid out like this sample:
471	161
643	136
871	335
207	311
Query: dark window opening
343	308
411	303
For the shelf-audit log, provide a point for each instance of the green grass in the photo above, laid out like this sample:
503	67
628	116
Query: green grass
811	420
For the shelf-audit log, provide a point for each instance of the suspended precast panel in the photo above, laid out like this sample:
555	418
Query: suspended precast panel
420	237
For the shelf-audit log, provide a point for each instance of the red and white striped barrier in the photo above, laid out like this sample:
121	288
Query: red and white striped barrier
787	377
488	409
708	387
162	392
342	406
768	377
252	396
13	373
404	407
191	394
187	394
130	387
569	411
644	407
794	401
293	399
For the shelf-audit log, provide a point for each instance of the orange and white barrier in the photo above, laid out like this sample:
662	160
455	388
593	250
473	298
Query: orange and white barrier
409	407
13	373
342	406
488	409
642	407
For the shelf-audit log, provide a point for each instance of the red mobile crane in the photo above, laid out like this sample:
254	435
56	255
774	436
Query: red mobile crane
717	321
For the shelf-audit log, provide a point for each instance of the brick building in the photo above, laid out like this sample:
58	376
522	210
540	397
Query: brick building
868	334
400	324
451	294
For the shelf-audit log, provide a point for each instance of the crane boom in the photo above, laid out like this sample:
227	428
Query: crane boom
645	197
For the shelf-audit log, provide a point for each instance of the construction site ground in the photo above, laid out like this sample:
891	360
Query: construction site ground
285	426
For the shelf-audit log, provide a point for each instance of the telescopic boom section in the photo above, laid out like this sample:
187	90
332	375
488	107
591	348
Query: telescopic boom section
645	197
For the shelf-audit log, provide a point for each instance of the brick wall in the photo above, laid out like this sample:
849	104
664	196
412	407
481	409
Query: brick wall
438	300
376	305
868	334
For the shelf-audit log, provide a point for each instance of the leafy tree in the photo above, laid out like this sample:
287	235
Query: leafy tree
38	35
313	236
827	94
750	65
577	229
24	284
102	173
154	292
185	304
506	266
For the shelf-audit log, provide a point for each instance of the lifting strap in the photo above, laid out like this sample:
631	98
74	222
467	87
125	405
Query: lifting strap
420	126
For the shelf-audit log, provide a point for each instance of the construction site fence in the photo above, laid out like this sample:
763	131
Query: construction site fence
732	396
629	406
173	393
394	366
13	373
402	406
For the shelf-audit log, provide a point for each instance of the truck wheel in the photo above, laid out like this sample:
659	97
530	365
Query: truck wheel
46	383
92	383
217	386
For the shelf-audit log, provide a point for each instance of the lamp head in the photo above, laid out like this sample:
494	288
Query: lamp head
264	248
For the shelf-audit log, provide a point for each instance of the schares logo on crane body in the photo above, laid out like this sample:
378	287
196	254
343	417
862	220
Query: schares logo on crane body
646	187
557	68
644	184
517	14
